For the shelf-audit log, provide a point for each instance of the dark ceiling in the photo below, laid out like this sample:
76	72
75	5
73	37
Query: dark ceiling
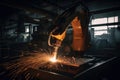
46	8
49	8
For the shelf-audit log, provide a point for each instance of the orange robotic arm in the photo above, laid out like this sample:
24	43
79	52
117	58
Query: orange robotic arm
78	16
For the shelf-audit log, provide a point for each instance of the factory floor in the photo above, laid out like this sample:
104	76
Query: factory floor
110	70
107	71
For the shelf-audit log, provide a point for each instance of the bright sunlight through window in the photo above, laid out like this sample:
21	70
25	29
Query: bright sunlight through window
100	30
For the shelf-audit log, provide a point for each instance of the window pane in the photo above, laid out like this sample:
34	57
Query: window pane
110	19
100	28
100	32
27	29
112	26
99	21
116	19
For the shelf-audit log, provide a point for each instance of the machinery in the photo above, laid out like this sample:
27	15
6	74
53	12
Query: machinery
78	17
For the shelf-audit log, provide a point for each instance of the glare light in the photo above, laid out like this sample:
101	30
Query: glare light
53	59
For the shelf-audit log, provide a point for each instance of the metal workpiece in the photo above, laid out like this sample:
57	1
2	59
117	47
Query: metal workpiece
40	67
89	68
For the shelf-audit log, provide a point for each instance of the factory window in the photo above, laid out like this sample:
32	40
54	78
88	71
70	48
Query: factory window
99	21
105	20
112	19
100	30
27	29
97	33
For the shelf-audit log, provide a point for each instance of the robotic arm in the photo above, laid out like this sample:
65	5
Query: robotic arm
58	39
60	26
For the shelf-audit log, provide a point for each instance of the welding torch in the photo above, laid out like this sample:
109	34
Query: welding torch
57	39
